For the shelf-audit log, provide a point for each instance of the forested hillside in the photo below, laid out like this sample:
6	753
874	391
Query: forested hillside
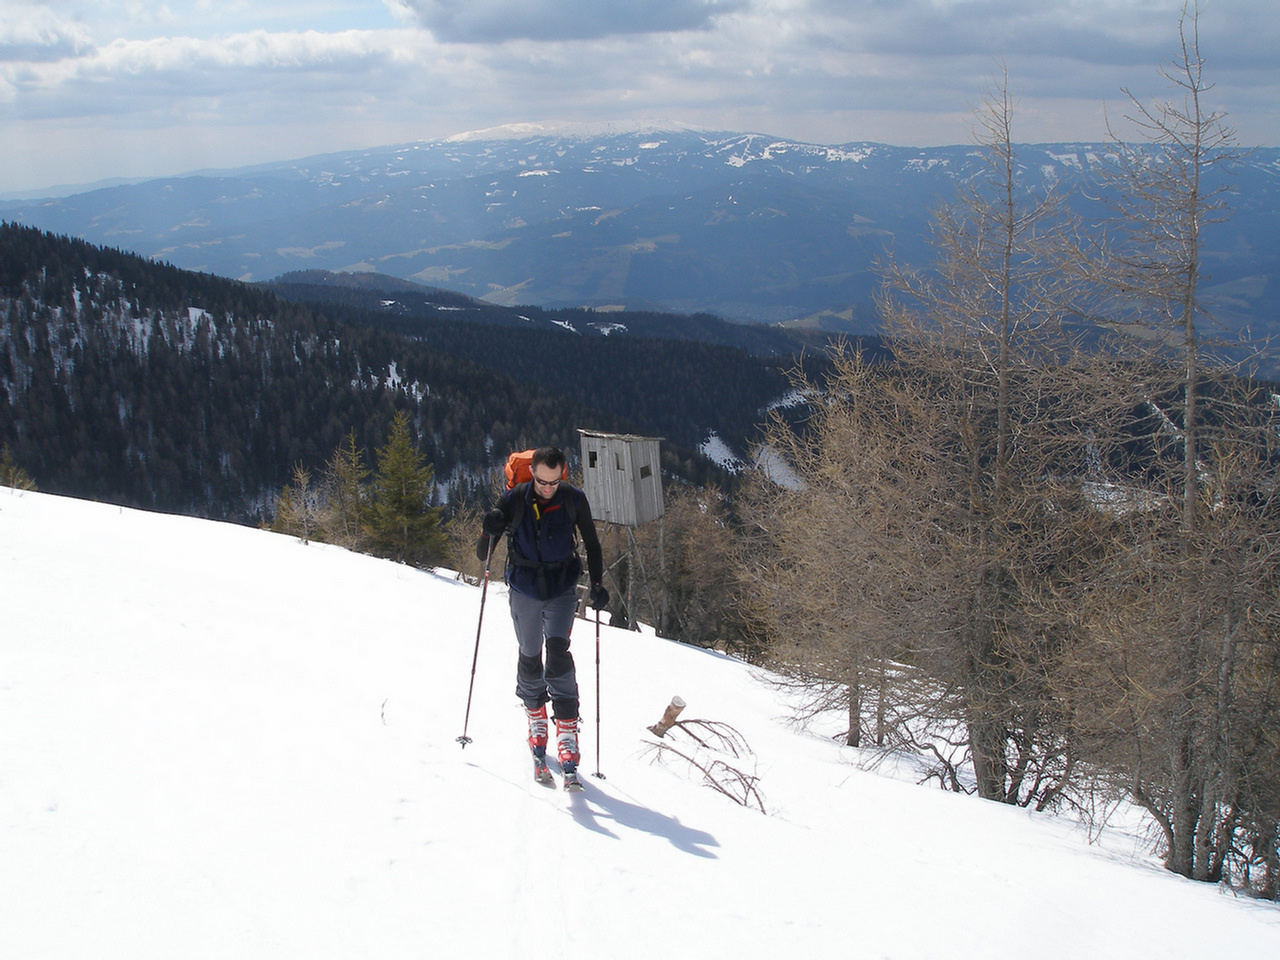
132	381
401	304
678	390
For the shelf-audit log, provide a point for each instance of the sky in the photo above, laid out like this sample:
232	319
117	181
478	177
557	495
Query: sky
220	742
128	88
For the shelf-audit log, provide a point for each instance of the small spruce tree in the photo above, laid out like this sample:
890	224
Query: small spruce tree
404	524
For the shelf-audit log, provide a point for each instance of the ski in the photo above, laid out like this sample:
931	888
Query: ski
541	772
571	781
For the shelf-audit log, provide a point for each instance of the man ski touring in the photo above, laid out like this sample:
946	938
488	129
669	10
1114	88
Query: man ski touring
541	518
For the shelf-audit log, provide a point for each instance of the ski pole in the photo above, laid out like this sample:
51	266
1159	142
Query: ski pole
475	657
598	773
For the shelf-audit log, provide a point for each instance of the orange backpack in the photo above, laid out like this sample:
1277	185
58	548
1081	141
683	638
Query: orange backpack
520	468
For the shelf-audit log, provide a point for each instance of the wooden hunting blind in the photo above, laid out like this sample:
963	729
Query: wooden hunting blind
621	477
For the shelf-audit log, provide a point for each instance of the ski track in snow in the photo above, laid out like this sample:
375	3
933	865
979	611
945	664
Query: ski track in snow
222	743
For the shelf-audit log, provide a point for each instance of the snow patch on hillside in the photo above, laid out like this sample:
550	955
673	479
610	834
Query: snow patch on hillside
715	449
774	466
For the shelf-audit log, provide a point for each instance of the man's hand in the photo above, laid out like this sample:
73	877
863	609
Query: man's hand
494	523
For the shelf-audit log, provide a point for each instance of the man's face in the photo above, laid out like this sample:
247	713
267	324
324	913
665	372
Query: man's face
545	481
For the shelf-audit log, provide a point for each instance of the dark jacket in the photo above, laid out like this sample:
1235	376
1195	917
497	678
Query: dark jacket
542	554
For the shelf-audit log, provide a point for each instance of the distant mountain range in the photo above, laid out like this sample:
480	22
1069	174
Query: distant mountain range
744	226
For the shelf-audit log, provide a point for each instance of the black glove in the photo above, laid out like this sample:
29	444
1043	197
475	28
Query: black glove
483	548
494	523
599	596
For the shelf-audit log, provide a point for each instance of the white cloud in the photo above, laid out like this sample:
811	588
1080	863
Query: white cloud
180	67
35	33
231	75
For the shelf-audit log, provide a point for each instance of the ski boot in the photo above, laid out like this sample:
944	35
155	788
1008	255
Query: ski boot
567	751
538	742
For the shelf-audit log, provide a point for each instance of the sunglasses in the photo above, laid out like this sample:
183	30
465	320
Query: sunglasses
547	483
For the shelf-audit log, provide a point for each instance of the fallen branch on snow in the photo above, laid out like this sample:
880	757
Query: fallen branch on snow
709	737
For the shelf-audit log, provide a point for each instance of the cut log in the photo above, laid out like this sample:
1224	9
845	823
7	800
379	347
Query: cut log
668	717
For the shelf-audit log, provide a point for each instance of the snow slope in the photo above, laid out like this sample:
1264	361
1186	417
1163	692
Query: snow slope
218	742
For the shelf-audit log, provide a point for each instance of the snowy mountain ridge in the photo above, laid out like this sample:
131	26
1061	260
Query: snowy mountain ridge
583	130
221	742
746	226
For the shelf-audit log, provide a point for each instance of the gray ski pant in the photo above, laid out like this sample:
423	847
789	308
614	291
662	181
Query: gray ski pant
539	623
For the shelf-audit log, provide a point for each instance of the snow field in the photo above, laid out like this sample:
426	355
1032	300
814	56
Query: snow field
218	742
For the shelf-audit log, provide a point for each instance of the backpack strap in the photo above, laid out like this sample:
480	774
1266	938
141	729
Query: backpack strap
517	507
517	501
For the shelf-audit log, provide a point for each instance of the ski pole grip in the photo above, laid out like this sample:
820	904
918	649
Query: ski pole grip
668	717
